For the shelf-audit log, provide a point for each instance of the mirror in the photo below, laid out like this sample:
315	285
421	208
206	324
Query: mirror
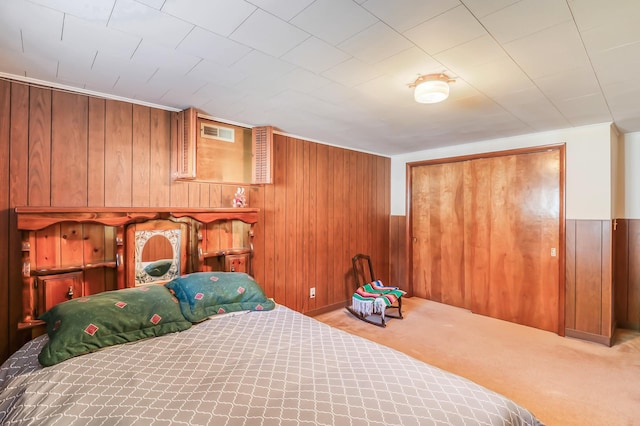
157	255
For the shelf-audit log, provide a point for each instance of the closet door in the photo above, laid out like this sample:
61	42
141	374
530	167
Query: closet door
512	214
437	212
485	236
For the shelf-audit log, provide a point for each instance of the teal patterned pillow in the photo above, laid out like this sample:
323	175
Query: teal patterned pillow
159	267
86	324
203	294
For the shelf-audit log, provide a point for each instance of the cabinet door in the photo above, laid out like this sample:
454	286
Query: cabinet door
59	288
236	263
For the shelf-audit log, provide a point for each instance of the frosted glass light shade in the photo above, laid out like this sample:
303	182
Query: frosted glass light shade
431	91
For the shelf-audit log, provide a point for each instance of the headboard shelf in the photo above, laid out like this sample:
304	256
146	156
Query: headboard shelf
72	268
35	218
70	252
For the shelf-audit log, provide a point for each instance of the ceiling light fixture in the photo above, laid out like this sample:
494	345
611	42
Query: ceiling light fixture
431	88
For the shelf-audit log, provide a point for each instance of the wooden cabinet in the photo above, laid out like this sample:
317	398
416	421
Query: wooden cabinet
233	260
59	288
237	263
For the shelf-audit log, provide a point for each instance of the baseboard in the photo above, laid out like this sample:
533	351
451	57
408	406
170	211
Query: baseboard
328	308
583	335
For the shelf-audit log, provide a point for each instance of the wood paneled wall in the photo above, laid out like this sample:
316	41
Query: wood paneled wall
326	205
66	149
626	248
398	253
588	280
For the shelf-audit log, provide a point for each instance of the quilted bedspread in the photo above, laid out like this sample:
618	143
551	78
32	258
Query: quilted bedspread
261	368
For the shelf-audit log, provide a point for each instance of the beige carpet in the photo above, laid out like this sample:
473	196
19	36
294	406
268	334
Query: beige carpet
561	380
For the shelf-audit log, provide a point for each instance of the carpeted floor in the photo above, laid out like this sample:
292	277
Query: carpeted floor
563	381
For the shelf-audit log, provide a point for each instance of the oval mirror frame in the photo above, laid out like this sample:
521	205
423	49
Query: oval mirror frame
149	268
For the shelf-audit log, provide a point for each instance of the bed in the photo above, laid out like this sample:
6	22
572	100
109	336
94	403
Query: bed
255	364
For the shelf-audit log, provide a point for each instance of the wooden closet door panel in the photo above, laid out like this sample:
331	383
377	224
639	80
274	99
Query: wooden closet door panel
450	225
438	233
477	234
487	235
523	204
503	264
420	212
543	204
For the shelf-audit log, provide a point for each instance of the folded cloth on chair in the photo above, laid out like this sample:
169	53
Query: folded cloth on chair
374	297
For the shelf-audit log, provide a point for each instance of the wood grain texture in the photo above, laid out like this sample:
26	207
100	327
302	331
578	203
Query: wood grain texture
607	326
589	279
96	152
301	167
291	276
589	276
621	270
439	233
322	222
96	280
40	146
71	244
477	213
570	274
419	222
627	273
47	248
397	251
69	146
633	282
119	156
93	243
18	195
141	156
267	273
338	195
281	264
160	158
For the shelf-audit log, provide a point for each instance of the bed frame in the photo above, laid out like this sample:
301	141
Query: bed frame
75	252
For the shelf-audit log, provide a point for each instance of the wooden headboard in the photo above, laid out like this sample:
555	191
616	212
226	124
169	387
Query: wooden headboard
77	251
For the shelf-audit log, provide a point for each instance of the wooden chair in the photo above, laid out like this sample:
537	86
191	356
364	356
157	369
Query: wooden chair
363	276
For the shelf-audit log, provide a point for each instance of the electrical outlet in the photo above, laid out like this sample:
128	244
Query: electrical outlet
312	292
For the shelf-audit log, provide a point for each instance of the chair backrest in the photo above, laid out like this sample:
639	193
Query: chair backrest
362	269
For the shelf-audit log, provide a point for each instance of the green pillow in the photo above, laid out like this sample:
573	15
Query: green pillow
159	267
86	324
203	294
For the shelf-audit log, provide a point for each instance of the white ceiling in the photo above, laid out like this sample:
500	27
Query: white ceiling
337	71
